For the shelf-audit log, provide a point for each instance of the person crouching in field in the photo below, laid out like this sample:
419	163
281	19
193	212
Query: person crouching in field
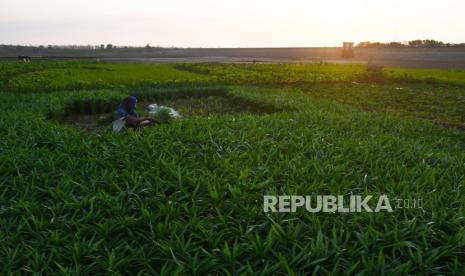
126	115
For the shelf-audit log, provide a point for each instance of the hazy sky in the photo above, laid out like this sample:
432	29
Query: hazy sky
233	23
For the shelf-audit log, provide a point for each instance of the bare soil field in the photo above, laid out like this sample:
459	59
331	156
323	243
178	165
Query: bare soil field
445	58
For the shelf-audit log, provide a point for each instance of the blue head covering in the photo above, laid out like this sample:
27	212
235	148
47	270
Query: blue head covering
122	112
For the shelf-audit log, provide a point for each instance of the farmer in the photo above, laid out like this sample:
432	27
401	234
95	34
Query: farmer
127	111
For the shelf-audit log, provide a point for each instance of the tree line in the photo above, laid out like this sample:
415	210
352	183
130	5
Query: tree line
425	43
108	46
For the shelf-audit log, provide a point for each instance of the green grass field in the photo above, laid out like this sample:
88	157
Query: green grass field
186	197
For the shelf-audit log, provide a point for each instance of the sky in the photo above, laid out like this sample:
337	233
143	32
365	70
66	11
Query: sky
233	23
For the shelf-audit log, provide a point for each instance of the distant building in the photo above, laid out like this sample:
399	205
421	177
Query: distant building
347	49
347	45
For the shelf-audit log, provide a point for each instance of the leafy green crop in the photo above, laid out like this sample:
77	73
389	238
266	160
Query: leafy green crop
276	73
439	103
187	197
46	77
455	77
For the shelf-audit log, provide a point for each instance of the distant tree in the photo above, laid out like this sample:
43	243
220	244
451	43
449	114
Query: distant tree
102	46
395	44
362	44
109	46
413	43
148	46
369	44
432	43
416	43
